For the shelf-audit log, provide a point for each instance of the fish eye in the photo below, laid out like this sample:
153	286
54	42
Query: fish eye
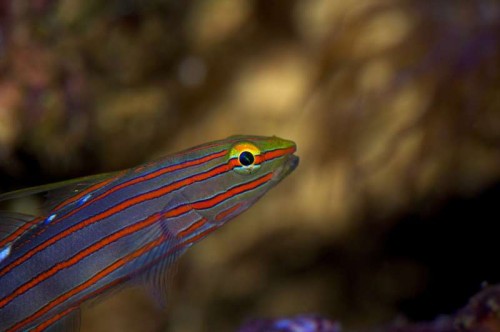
246	158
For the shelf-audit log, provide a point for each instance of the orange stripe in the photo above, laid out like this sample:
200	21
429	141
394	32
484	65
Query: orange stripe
113	267
66	203
46	324
139	179
199	236
117	208
112	238
86	191
193	227
206	204
101	290
72	199
279	152
227	212
78	257
165	170
18	232
215	200
149	177
259	159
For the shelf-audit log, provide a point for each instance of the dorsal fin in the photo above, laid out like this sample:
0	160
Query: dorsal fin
14	225
10	221
58	192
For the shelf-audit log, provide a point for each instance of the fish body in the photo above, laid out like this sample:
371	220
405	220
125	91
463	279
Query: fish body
128	227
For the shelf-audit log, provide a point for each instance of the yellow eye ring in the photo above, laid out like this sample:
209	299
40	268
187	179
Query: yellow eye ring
245	156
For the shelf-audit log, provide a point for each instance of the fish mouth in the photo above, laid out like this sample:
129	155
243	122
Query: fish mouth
292	160
290	164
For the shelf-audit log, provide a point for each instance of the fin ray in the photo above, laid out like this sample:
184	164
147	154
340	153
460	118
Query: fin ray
159	266
13	225
68	323
59	191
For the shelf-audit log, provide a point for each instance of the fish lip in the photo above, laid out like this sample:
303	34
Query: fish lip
293	162
289	166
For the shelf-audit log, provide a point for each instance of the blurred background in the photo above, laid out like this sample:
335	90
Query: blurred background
395	106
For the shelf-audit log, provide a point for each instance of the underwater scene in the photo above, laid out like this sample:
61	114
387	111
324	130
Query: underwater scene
332	166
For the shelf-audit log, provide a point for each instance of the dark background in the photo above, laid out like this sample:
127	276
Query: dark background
393	211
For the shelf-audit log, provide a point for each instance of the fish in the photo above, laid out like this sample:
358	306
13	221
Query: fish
126	228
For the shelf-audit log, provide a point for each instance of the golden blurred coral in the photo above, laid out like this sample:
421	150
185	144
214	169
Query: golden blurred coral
212	22
273	85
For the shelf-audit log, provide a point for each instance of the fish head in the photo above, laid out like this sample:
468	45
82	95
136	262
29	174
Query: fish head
252	166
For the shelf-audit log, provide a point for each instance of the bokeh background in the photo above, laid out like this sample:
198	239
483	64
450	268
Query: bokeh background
395	106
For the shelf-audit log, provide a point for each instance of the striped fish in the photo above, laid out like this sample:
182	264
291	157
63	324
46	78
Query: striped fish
127	227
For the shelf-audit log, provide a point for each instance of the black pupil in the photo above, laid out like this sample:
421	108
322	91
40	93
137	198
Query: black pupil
246	158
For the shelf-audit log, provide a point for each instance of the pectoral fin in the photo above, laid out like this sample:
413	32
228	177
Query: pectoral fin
159	265
68	323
